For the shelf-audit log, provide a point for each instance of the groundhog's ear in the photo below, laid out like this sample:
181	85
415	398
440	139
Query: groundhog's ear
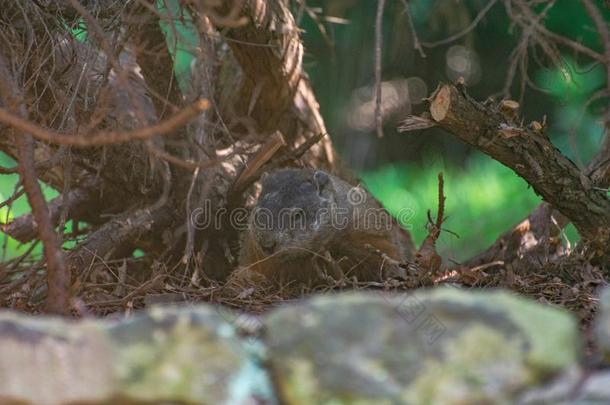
321	179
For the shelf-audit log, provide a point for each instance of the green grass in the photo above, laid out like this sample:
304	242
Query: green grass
484	199
9	247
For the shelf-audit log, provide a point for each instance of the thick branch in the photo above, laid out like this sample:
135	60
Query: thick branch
269	51
530	154
539	232
118	236
275	91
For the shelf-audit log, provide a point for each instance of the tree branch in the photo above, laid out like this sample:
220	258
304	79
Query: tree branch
118	235
270	53
378	61
529	153
104	138
58	277
275	93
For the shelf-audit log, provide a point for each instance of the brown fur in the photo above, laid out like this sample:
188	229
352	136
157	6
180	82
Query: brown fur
359	252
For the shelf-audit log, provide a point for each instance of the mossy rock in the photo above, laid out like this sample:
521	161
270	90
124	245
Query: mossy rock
440	346
186	355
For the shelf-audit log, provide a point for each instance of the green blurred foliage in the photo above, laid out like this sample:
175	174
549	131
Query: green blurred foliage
570	19
181	38
9	247
484	198
576	130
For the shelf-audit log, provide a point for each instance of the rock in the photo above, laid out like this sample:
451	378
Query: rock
556	392
189	355
53	361
443	346
595	390
602	325
573	389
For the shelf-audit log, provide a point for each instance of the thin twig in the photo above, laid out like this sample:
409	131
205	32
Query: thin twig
176	161
281	161
466	30
190	229
266	152
416	43
440	214
12	198
104	138
378	55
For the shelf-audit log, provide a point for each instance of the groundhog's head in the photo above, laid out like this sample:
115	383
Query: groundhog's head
293	214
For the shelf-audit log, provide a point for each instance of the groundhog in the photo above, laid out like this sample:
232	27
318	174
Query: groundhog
307	220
